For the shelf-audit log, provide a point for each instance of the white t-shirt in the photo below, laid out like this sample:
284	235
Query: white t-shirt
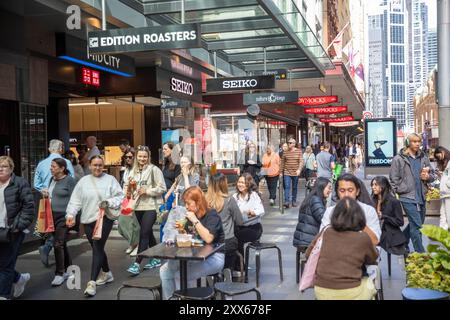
253	203
372	220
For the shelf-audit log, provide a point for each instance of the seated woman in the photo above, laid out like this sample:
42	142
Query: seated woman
390	212
207	225
218	199
252	209
345	251
311	213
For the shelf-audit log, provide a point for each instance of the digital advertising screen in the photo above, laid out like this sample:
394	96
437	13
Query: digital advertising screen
380	141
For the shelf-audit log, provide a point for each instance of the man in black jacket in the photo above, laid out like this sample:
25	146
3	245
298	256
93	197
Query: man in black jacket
16	215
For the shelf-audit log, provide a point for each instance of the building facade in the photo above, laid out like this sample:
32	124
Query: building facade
432	49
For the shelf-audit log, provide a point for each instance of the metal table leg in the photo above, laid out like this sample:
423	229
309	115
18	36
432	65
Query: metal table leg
183	274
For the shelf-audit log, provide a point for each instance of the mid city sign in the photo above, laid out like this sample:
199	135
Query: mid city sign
173	36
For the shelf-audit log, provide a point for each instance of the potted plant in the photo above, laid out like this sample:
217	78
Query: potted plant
431	270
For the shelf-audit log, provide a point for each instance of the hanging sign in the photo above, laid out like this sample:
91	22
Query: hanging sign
326	110
172	103
90	77
316	101
280	74
270	97
240	83
167	37
334	115
341	119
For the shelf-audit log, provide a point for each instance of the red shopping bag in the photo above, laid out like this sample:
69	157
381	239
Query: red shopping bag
97	235
128	206
40	225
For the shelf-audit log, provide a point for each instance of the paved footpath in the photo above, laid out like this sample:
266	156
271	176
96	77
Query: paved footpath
278	228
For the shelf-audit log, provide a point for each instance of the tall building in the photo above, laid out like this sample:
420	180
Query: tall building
312	11
417	50
376	99
432	49
393	20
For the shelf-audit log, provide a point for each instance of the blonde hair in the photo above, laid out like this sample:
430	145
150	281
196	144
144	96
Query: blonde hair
8	160
217	191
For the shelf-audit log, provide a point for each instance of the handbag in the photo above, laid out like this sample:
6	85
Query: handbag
309	273
5	235
111	213
45	217
128	205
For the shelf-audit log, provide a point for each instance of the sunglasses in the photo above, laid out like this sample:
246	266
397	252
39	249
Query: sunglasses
128	157
291	142
143	148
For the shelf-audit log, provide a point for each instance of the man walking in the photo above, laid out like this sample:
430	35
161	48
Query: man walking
351	155
42	179
291	166
325	162
91	143
410	171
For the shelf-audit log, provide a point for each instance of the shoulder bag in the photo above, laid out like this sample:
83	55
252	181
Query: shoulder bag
112	214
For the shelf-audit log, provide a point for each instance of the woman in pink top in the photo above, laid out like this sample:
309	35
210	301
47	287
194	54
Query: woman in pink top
271	171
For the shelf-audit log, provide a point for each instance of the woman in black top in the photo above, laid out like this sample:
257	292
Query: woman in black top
251	163
311	213
390	211
205	224
170	170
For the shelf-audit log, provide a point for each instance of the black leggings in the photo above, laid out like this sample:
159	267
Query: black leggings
99	258
62	256
146	238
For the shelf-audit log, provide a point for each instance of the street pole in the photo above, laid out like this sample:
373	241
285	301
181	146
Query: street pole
103	15
443	42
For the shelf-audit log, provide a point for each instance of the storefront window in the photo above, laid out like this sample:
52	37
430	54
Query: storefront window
33	136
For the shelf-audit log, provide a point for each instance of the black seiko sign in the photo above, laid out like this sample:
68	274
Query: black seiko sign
73	49
240	83
173	36
178	86
270	97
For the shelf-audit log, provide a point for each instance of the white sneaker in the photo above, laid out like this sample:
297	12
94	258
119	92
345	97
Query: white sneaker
19	287
104	277
58	280
91	289
134	252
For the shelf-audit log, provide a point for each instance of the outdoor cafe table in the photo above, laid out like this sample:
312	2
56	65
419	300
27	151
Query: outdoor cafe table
164	251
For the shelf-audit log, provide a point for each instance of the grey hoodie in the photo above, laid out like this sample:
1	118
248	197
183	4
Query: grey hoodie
402	178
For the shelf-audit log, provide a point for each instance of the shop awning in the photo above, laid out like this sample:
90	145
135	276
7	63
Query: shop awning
239	30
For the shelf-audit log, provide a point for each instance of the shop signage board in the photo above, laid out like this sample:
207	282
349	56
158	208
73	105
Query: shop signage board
334	115
167	37
380	141
340	119
177	86
280	74
172	103
240	83
326	110
270	97
316	101
90	77
345	124
73	49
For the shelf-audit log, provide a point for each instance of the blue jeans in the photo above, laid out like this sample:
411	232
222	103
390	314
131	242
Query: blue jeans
416	218
8	258
195	269
288	181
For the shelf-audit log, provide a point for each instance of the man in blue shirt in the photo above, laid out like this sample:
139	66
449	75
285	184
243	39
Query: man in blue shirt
42	179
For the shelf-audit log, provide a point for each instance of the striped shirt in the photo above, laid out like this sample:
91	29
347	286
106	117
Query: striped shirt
291	162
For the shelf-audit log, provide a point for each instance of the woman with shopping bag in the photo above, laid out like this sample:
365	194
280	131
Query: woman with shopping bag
338	255
58	196
99	197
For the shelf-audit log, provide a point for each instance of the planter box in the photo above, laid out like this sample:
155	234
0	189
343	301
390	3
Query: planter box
433	208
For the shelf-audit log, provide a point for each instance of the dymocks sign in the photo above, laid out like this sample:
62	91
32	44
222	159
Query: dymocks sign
173	36
316	101
326	110
240	83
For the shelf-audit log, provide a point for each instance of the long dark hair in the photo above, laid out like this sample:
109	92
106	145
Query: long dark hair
168	162
62	164
385	186
249	183
363	194
442	164
348	216
319	186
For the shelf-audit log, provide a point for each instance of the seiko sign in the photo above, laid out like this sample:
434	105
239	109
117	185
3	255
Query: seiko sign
272	97
181	86
173	36
240	83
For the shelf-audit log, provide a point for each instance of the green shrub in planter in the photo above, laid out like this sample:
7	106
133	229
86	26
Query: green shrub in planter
431	270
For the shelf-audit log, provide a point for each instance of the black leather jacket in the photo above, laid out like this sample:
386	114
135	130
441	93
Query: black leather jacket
19	203
309	221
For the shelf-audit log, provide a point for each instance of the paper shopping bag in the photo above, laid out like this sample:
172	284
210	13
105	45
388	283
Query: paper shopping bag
40	224
97	235
49	225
